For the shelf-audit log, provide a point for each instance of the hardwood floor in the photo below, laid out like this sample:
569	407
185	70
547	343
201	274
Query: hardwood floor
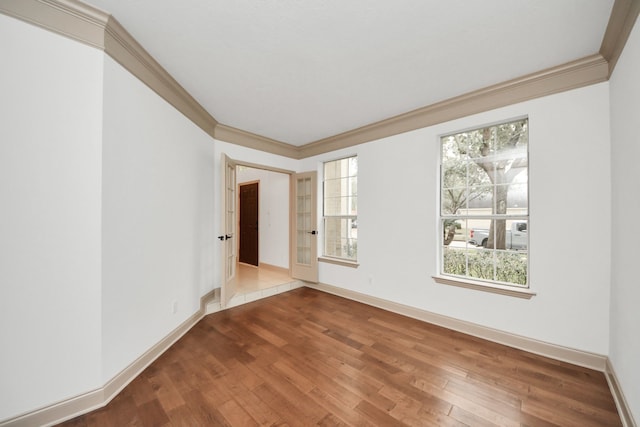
307	358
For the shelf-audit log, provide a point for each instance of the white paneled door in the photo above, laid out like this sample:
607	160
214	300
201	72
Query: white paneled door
229	225
304	227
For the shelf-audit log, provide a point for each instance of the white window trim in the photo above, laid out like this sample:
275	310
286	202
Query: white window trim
465	282
494	288
339	261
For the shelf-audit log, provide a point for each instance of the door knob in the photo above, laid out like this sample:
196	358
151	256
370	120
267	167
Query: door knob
312	232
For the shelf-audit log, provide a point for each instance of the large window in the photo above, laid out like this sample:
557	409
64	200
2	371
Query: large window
484	209
340	209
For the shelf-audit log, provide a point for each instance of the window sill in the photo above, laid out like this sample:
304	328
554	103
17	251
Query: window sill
338	261
511	291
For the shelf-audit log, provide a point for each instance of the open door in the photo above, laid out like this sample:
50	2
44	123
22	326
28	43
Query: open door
229	238
304	232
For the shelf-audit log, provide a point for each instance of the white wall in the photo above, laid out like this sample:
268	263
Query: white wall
569	166
625	292
158	217
50	131
273	211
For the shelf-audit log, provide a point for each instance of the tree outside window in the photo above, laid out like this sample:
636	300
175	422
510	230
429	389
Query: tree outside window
484	203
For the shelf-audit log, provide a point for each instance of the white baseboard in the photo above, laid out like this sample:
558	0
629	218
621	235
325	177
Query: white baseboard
59	411
618	396
120	381
86	402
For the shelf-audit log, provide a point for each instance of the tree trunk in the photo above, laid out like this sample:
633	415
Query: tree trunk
498	228
451	233
500	178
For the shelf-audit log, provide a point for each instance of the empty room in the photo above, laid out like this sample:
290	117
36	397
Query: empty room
287	212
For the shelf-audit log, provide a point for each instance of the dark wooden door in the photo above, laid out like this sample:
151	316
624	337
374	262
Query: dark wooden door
249	223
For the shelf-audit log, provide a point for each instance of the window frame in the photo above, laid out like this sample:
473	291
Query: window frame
334	259
466	280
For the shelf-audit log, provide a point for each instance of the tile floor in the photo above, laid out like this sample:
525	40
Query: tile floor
253	283
250	279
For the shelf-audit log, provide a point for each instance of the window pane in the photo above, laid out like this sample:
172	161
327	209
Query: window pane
454	261
341	237
511	267
477	175
340	196
341	168
340	208
480	200
481	264
517	235
453	200
450	149
479	231
517	200
480	142
454	232
353	166
346	205
454	174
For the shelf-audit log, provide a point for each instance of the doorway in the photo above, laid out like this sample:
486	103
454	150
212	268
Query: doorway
248	207
263	228
285	228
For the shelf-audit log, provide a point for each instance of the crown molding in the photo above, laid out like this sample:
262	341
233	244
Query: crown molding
94	27
621	21
70	18
582	72
125	50
257	142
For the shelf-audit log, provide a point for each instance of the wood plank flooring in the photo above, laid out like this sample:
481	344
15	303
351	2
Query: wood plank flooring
306	358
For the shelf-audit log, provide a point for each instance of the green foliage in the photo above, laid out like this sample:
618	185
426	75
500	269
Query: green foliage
510	267
350	249
462	180
454	262
449	222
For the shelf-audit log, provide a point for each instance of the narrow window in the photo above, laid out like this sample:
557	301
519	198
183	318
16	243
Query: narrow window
340	209
484	209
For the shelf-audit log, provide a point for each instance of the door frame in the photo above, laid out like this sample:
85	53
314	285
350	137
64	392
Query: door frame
291	173
292	176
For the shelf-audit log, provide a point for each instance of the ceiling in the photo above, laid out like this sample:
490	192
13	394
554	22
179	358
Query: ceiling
298	71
